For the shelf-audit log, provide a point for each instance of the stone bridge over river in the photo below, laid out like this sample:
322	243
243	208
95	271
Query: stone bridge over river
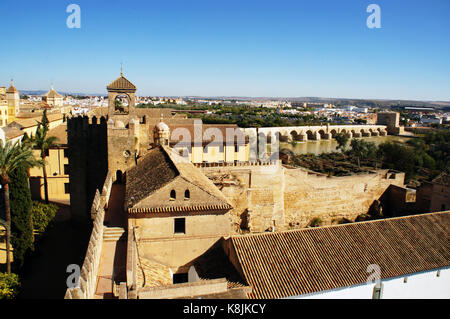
323	132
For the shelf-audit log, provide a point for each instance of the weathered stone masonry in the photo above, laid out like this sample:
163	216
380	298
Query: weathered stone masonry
272	196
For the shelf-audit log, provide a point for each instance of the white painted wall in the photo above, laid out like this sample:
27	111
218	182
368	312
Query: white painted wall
424	285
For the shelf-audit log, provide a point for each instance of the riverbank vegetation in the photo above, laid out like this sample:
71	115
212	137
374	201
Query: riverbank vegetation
421	158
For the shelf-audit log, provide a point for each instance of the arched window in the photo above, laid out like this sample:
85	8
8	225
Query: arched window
187	194
173	194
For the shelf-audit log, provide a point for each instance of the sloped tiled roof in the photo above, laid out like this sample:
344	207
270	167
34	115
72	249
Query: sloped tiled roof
158	168
12	132
27	122
442	179
59	132
121	84
153	171
290	263
148	112
53	94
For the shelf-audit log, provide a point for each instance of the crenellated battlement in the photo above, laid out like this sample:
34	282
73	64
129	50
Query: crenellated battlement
238	164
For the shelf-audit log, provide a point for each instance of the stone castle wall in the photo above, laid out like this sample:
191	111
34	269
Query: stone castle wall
309	195
267	197
89	270
88	162
254	190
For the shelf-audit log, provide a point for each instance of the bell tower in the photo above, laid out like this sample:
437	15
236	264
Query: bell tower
123	126
121	99
13	98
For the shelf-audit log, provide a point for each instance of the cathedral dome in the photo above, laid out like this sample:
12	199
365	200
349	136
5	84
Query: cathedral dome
162	127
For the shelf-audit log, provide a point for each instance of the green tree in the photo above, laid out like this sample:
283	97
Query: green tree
363	150
9	285
21	222
44	143
12	157
399	157
42	214
342	140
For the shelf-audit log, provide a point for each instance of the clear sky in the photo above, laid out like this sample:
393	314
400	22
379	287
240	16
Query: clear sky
231	48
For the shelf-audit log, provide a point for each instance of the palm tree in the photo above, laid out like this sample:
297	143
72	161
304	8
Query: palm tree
12	157
44	143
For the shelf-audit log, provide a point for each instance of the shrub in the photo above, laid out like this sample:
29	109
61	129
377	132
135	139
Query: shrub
9	285
315	222
43	214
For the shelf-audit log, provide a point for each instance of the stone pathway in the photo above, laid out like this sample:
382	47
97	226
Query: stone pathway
113	258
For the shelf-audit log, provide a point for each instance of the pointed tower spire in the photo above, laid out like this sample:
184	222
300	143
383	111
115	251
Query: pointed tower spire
121	69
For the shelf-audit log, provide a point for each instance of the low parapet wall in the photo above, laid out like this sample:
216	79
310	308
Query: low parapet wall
132	265
203	287
88	275
237	164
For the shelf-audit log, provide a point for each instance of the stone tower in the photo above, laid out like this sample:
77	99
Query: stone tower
13	98
123	126
391	120
162	133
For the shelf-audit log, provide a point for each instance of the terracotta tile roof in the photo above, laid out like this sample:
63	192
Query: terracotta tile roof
150	113
222	128
153	171
152	273
121	84
158	168
59	132
12	132
27	122
278	265
442	179
52	94
174	121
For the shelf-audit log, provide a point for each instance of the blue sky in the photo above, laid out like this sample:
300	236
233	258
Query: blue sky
231	48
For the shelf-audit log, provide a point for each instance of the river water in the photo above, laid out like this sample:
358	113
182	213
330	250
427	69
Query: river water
328	146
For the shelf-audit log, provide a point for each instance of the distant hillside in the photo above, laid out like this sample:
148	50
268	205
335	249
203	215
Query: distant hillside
336	101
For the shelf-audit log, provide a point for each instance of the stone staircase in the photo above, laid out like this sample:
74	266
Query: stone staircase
113	233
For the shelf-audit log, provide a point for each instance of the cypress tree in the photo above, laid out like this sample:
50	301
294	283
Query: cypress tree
21	222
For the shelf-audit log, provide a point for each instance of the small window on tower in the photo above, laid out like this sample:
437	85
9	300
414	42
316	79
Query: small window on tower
187	194
173	194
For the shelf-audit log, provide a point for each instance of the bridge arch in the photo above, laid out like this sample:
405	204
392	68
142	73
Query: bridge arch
323	134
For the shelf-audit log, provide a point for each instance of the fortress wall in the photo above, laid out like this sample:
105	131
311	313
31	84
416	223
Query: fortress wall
255	192
287	198
89	270
330	198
